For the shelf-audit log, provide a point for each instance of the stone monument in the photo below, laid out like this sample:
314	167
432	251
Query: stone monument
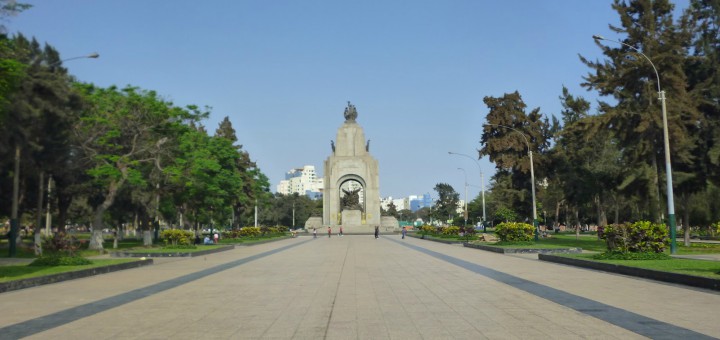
351	195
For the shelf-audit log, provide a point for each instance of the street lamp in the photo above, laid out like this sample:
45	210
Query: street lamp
532	175
482	182
466	202
14	226
666	142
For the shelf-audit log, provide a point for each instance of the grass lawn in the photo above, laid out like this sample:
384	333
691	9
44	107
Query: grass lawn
246	240
538	245
592	243
697	248
157	250
703	268
11	273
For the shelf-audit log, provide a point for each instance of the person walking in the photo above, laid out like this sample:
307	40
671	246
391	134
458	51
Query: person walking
377	232
340	231
314	232
404	231
329	232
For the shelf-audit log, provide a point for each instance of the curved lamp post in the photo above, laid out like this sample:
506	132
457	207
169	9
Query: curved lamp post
482	182
14	227
666	141
532	175
465	213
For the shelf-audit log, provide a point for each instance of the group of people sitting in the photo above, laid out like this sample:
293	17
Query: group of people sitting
206	240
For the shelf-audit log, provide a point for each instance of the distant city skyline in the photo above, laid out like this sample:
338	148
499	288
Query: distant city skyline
283	70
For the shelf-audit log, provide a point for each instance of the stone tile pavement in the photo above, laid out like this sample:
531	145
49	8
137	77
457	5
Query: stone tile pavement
356	287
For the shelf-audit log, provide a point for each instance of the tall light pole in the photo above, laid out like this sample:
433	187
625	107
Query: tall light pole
532	175
666	142
482	182
465	214
14	226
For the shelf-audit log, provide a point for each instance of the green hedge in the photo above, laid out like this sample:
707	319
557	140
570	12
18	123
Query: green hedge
638	237
60	260
177	237
514	232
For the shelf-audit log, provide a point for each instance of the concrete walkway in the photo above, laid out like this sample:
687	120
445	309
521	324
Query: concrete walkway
356	287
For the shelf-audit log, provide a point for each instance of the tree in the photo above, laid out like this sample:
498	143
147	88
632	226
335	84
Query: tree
585	160
255	185
119	132
506	138
701	21
447	203
630	80
10	8
38	108
392	210
406	215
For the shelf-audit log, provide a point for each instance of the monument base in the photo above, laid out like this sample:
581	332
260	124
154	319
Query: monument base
351	218
389	224
314	222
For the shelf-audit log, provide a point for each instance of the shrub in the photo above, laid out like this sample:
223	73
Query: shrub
268	230
451	230
181	246
505	214
231	234
60	260
468	231
427	229
60	244
514	232
638	237
612	255
177	237
250	232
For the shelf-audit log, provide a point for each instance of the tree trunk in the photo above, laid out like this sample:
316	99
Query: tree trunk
41	191
655	193
147	238
96	242
577	223
557	214
38	218
617	209
147	230
63	202
601	216
686	221
38	244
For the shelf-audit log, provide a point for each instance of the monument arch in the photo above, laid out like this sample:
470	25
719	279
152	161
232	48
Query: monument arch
350	161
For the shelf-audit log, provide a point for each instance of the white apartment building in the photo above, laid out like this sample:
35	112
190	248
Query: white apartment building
302	181
400	203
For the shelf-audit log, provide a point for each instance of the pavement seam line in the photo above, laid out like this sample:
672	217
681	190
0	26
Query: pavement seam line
50	321
337	290
630	321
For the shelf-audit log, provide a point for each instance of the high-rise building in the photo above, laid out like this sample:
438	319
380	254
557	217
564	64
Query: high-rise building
419	202
302	181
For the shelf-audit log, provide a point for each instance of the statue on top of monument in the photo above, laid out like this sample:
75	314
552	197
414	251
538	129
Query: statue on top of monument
350	113
351	200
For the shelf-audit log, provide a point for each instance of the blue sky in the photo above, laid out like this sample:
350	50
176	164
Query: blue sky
417	71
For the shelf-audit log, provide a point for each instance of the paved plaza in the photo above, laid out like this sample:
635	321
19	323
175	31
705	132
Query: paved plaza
357	287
